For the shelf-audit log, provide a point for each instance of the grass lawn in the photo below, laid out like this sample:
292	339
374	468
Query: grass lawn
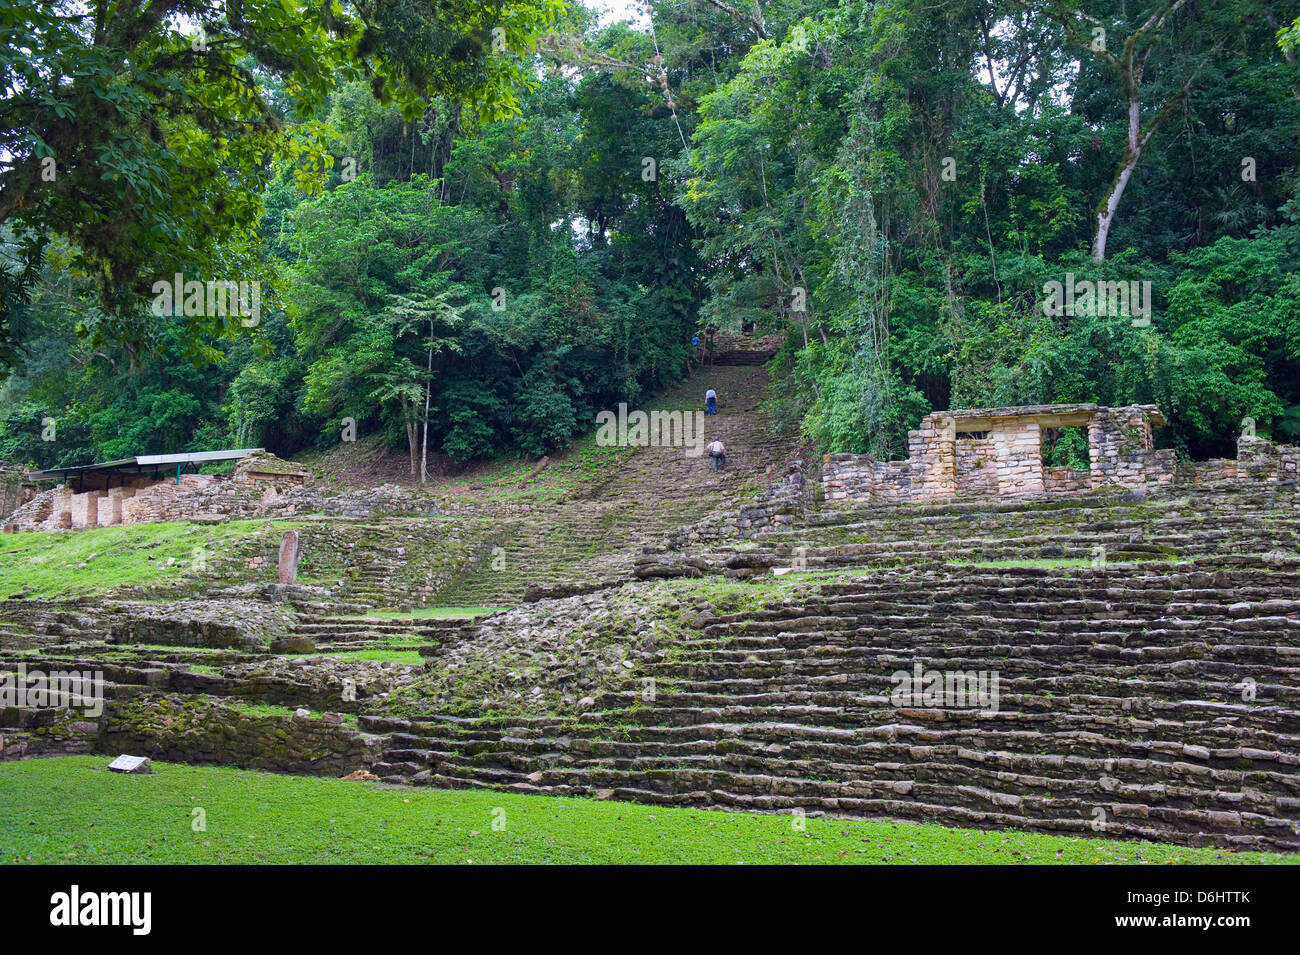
92	561
71	809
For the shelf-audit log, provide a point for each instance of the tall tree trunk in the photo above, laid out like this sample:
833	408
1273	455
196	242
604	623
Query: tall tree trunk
1109	204
1129	64
428	388
412	435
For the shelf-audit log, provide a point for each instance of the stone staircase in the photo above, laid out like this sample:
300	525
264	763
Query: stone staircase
331	632
654	491
385	562
62	724
1157	697
1147	666
1103	527
370	582
1146	650
35	624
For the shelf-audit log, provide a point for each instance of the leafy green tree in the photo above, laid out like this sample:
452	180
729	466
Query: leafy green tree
140	131
372	267
890	184
1156	54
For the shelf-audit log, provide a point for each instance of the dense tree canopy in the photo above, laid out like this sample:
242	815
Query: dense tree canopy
141	131
514	238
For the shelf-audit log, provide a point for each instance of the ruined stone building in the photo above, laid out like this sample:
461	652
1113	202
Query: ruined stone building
155	488
15	488
998	452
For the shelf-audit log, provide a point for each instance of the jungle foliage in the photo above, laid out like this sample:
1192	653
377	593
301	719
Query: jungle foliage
515	238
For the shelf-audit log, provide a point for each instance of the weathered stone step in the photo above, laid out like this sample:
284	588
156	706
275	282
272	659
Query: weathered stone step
965	806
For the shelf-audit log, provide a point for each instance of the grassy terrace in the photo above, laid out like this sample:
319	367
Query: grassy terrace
371	654
270	709
93	561
570	471
71	809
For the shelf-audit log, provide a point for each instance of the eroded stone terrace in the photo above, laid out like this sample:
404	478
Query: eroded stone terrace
224	638
1152	698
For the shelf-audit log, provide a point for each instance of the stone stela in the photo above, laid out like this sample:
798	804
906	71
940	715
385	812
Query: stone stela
288	565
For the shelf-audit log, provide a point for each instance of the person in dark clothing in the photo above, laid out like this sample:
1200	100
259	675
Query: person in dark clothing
710	402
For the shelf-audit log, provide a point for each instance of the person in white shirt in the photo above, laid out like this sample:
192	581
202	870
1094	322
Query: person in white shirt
718	452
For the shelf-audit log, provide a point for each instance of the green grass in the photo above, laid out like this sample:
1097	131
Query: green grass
261	709
81	563
272	709
369	655
71	809
433	613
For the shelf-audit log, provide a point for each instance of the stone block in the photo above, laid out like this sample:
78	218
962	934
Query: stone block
288	563
131	764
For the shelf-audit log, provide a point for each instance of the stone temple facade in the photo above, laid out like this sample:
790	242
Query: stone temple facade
998	452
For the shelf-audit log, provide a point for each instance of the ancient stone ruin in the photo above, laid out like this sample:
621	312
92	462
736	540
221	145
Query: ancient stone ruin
126	492
15	490
998	452
1144	645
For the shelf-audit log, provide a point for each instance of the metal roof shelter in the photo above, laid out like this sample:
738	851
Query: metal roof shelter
141	464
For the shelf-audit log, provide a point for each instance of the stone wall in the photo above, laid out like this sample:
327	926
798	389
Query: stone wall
1064	480
977	471
1204	472
196	730
860	477
1262	460
228	622
1120	450
934	447
15	490
26	732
